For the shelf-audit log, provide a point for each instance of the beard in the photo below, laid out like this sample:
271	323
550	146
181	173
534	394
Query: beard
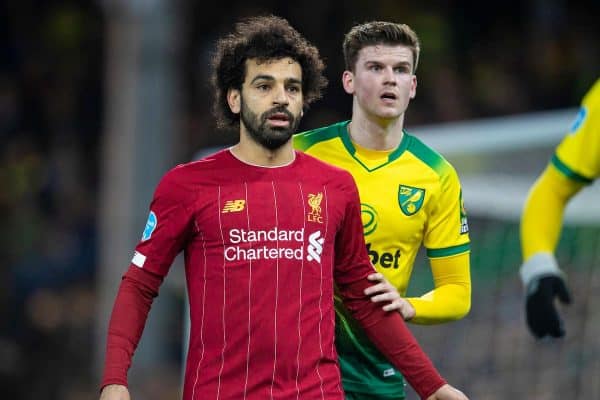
271	138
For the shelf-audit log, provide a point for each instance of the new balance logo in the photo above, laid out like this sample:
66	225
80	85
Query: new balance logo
233	206
315	246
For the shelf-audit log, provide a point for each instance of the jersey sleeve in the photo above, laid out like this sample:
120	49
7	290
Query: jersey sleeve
576	162
541	220
578	155
170	224
451	298
167	229
447	229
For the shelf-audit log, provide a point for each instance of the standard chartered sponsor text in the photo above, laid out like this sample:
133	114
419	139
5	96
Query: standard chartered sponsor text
244	236
279	244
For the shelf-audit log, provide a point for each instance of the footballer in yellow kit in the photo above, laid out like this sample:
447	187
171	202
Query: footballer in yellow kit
410	196
574	165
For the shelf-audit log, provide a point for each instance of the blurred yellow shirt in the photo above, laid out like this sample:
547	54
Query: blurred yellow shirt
575	163
578	155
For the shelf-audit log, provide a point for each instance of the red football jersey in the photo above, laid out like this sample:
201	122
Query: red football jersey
263	247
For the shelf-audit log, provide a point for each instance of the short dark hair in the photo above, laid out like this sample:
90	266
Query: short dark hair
379	32
262	38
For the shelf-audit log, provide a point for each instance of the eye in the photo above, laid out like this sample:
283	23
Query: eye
263	87
293	89
402	70
375	67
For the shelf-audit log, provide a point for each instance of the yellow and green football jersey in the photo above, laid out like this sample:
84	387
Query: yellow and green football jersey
575	163
410	197
578	155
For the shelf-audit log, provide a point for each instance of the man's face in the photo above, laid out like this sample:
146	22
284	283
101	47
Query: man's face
271	101
382	82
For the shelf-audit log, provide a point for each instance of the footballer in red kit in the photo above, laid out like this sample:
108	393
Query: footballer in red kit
262	249
250	246
266	232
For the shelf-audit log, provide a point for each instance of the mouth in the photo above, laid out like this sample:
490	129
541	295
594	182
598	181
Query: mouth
388	97
279	119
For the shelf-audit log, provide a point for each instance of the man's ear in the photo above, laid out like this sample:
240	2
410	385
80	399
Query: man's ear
413	87
348	81
234	99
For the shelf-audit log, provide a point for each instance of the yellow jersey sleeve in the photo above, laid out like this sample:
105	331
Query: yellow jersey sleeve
578	155
447	230
541	220
575	164
451	298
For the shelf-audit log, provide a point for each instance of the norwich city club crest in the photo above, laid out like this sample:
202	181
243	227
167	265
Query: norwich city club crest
410	199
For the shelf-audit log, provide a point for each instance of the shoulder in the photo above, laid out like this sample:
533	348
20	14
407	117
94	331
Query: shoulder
324	168
589	109
592	97
305	140
430	157
184	179
325	171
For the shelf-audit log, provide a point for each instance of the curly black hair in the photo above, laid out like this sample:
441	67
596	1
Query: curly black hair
262	38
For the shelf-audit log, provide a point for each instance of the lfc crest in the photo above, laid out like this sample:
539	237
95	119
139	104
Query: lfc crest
314	201
410	199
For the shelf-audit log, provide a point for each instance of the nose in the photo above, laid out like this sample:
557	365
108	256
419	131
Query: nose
388	76
280	96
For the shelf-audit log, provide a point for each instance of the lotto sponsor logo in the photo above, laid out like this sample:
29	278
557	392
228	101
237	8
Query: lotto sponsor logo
233	206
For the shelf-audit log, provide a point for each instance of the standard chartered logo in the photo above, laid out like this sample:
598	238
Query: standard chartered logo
315	246
272	244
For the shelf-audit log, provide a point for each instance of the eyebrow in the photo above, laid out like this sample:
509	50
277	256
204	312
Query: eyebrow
405	63
293	81
400	63
263	77
271	78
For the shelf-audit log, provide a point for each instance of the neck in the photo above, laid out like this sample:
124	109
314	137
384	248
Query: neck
375	133
250	152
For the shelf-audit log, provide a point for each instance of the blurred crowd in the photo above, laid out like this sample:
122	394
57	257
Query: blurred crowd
478	59
50	125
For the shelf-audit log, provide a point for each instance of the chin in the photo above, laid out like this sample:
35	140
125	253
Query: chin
388	115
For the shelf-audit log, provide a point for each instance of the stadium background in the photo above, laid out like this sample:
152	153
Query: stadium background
99	98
